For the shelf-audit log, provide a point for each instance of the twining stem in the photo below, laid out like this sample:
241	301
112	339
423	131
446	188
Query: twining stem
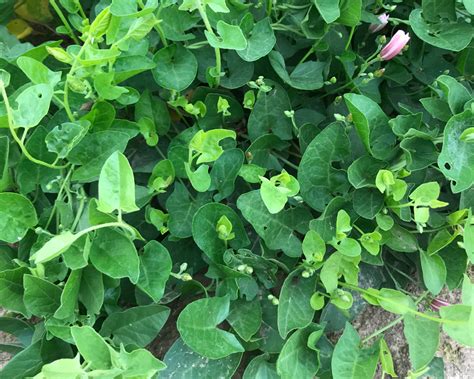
65	21
405	309
217	51
15	136
61	190
71	72
351	34
106	225
79	210
391	324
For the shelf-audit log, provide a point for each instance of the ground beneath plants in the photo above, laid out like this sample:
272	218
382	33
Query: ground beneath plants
458	360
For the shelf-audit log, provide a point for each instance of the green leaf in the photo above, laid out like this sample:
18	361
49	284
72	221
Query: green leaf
93	151
329	9
298	359
182	209
63	138
260	368
230	37
155	269
30	175
461	327
433	10
368	202
276	191
116	185
207	144
457	156
468	237
386	359
268	115
115	255
137	326
205	232
41	297
294	308
91	291
63	367
69	296
278	231
245	317
155	109
224	172
197	325
469	5
314	247
316	174
37	72
12	291
92	347
395	301
260	43
54	247
17	215
176	67
453	36
184	363
350	12
305	76
434	272
32	105
363	171
423	339
140	363
400	239
372	125
454	92
349	360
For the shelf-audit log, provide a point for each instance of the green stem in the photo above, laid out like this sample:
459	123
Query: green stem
15	136
217	51
64	21
404	308
381	330
391	324
71	72
269	7
79	210
61	190
351	34
286	161
106	225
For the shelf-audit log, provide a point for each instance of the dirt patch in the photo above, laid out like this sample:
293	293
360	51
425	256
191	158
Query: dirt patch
5	338
458	360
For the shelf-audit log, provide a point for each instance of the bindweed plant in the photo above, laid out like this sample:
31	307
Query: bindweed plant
215	189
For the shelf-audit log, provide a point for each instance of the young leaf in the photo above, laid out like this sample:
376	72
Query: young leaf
92	347
116	185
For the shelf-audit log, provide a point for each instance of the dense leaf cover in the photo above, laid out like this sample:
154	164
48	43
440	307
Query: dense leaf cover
210	188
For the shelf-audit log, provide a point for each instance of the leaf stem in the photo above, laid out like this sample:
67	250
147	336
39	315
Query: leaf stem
20	143
351	34
64	21
217	51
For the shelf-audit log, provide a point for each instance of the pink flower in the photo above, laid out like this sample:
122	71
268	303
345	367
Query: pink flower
438	303
383	18
395	46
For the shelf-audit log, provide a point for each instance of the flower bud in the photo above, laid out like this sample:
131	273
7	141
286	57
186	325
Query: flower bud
395	46
383	18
